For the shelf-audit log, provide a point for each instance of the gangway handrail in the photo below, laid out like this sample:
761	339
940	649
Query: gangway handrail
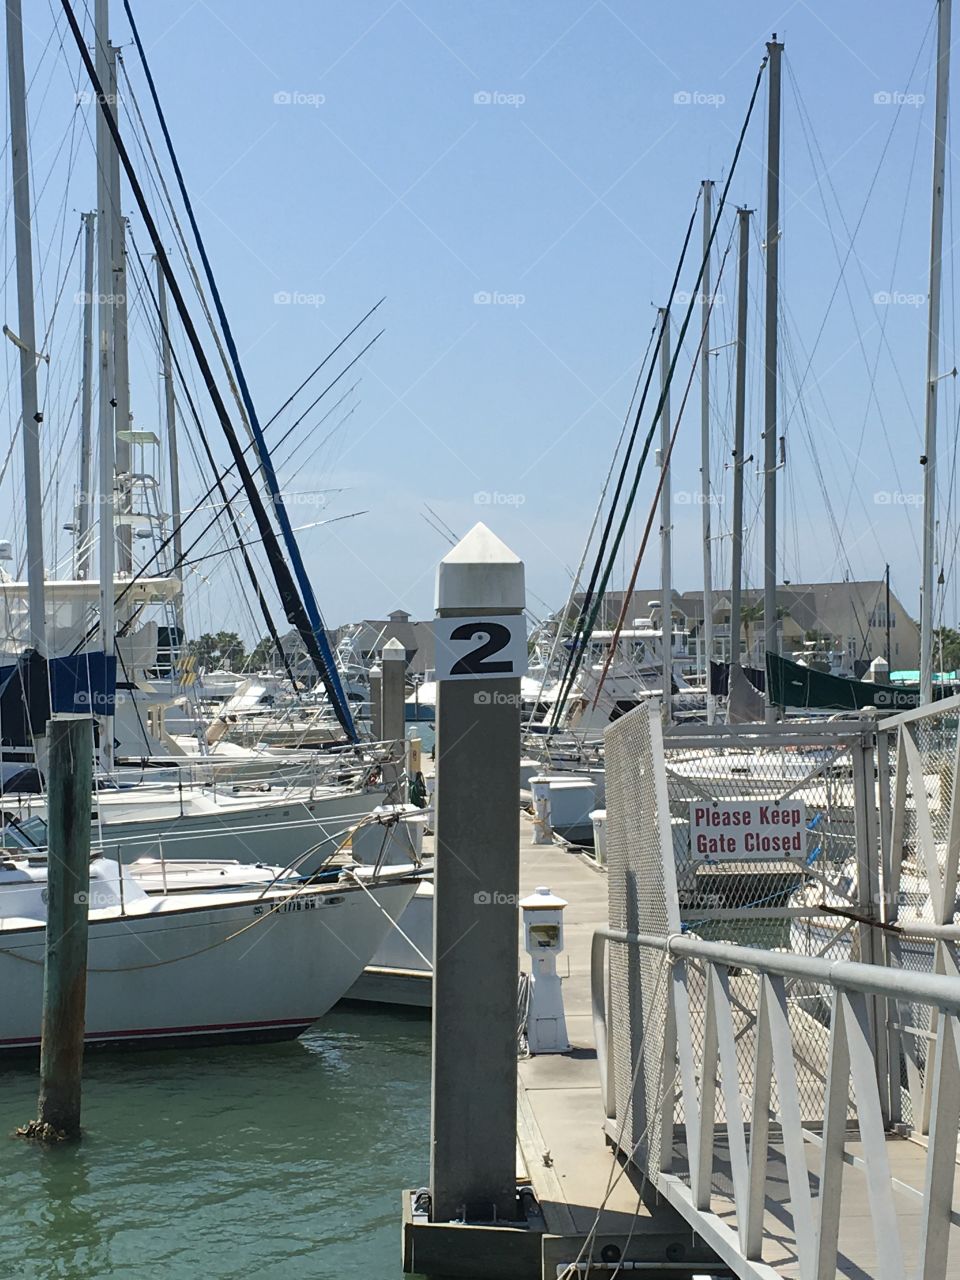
850	1078
936	989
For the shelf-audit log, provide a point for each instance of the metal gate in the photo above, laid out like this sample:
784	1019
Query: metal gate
917	755
751	1016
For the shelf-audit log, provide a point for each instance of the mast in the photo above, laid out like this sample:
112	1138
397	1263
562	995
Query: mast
27	341
739	421
770	625
171	416
666	566
929	459
705	495
317	644
85	505
121	360
105	417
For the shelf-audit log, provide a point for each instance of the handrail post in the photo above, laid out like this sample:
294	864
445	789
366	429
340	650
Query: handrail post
602	1032
888	911
868	900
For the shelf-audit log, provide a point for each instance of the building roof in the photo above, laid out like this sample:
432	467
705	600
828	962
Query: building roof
828	608
371	634
643	602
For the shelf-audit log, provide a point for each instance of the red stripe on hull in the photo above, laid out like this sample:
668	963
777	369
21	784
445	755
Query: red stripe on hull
276	1028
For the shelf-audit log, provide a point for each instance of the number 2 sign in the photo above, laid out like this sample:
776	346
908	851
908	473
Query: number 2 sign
480	648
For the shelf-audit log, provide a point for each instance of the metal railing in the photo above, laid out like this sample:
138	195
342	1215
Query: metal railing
917	793
748	1012
750	1073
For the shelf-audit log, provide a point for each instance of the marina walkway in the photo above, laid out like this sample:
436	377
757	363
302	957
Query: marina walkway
560	1111
857	1250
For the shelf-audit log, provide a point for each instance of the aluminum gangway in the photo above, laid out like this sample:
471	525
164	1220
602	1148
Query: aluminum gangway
779	1038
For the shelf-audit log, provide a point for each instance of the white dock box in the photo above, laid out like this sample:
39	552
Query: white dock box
571	800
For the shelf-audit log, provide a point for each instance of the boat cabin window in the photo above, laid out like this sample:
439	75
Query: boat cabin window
30	833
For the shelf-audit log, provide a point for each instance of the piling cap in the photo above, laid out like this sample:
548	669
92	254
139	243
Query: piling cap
480	574
393	650
542	899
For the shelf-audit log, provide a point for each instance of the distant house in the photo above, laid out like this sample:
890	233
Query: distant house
368	637
844	617
643	603
297	655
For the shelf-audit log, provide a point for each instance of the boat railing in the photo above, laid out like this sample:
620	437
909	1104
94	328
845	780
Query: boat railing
347	766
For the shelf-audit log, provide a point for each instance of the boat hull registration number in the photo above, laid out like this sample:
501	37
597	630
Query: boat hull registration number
281	907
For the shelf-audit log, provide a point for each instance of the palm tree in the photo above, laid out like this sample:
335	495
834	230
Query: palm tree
748	616
754	613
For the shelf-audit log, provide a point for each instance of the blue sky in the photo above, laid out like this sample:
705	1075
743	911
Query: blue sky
542	155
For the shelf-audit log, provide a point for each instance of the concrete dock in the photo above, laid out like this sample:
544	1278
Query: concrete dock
560	1113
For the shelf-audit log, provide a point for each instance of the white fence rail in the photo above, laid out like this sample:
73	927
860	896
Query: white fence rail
746	1090
763	1082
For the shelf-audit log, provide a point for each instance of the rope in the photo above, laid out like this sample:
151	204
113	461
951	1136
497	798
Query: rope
524	1000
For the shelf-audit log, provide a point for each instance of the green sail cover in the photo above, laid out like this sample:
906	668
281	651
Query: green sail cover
793	685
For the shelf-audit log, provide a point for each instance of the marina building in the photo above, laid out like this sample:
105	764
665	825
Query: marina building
836	624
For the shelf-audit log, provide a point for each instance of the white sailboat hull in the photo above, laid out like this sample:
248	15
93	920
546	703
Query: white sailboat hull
826	939
236	971
280	831
396	952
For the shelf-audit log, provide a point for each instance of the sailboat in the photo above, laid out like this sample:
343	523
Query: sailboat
297	826
209	953
172	962
65	653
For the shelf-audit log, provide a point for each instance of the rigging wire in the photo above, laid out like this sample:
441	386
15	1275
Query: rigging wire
167	203
654	502
196	278
229	512
222	474
579	648
575	582
822	167
316	524
581	633
302	599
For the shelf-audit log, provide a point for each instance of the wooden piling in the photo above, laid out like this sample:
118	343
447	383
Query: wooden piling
69	784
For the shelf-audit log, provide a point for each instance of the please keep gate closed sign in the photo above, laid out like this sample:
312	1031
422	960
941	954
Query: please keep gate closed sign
738	831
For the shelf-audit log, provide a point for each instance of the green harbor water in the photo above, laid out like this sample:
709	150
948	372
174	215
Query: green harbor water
271	1161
